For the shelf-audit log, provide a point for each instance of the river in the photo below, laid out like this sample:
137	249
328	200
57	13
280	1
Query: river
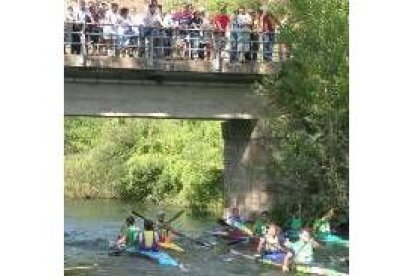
90	226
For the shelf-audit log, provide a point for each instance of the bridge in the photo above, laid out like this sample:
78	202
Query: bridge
125	86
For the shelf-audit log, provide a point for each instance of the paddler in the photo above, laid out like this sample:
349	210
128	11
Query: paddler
128	234
302	250
236	221
271	245
261	224
162	231
149	238
322	226
235	217
293	226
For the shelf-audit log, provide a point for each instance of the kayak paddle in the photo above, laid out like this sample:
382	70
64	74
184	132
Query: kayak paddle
224	223
176	216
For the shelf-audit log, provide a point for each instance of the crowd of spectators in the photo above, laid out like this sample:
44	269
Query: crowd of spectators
186	31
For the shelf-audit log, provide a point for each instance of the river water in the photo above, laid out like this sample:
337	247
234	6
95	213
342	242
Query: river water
91	225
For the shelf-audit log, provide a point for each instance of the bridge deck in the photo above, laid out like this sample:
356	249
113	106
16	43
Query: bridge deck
171	65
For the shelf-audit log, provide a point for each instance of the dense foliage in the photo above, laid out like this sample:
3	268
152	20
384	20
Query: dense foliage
308	107
133	159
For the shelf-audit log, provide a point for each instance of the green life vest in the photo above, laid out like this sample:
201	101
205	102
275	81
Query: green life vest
131	235
296	224
321	226
260	227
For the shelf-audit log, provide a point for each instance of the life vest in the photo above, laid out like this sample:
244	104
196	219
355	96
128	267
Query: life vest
322	226
271	243
162	233
148	241
131	235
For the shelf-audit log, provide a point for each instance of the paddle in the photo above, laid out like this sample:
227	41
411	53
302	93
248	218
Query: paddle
176	216
224	223
172	230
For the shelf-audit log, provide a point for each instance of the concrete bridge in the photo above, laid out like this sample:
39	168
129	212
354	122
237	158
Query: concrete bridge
124	87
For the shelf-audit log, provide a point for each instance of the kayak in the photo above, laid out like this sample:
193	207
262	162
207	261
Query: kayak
326	238
160	257
171	246
276	259
333	239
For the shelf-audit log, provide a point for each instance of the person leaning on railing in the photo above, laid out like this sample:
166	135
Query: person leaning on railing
152	30
80	17
69	18
183	18
125	31
169	25
268	24
195	34
234	34
93	27
206	41
110	29
221	23
254	36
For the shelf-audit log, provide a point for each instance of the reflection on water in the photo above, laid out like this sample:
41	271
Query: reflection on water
91	225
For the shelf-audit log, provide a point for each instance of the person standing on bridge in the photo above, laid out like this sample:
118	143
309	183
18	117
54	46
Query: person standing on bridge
110	28
221	23
268	24
152	30
80	16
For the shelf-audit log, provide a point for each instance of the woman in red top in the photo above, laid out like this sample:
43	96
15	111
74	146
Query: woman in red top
268	23
221	22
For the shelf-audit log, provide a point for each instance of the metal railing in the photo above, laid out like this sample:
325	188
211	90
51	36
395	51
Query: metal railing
154	44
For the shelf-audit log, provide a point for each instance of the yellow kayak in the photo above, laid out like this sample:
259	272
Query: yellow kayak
171	246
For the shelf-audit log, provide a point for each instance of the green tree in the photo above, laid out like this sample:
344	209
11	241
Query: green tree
308	105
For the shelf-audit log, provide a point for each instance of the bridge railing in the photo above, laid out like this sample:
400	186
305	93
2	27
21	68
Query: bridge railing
159	48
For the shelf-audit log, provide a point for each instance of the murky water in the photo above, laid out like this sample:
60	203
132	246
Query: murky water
91	225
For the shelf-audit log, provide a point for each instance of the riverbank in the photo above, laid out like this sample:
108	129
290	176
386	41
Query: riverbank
159	161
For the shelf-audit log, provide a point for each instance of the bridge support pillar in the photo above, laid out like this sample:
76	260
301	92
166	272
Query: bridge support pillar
245	162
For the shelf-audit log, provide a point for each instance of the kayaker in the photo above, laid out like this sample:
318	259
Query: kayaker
163	232
129	234
261	224
302	250
149	238
293	226
235	217
237	221
271	244
322	226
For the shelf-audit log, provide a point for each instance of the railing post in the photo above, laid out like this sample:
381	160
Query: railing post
83	44
220	57
151	50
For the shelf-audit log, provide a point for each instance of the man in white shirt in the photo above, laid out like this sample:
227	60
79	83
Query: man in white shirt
169	25
244	21
68	27
111	25
153	24
80	16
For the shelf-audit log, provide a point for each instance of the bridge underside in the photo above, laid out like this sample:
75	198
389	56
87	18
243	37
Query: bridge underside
185	95
160	94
